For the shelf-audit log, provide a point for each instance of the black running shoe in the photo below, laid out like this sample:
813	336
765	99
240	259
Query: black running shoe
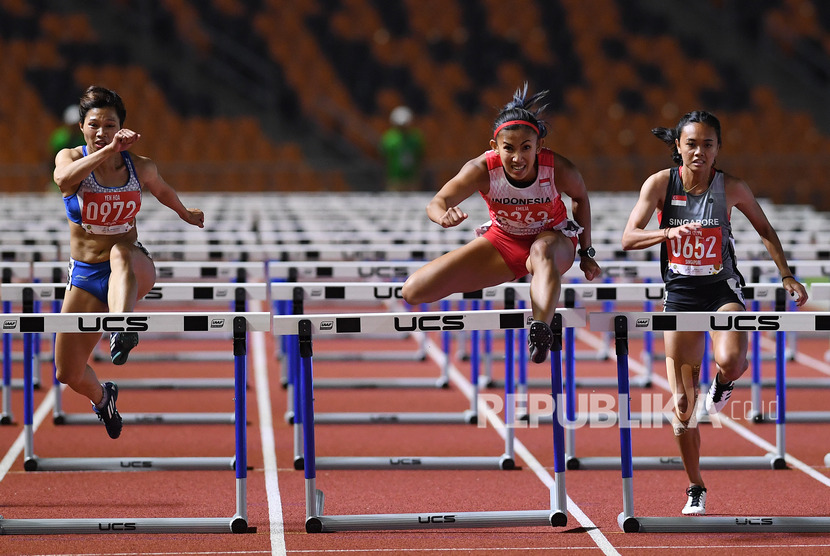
109	414
539	340
120	345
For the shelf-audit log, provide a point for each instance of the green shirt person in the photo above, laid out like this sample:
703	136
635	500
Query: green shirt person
402	147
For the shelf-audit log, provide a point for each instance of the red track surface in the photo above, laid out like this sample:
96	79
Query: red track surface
596	495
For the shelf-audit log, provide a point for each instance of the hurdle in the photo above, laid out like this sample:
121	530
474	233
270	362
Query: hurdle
373	291
300	271
424	322
306	326
239	324
693	321
621	324
237	294
305	271
818	292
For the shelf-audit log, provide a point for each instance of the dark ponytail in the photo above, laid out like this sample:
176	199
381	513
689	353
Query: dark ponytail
523	109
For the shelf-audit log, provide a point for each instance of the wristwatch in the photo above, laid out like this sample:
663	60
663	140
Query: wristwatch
587	252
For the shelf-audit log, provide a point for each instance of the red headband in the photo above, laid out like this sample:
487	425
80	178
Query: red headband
515	122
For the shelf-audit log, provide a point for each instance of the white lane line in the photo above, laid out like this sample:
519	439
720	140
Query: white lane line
463	384
17	447
266	431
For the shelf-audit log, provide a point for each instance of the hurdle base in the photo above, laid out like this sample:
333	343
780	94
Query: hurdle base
440	382
7	419
502	462
770	461
443	520
234	524
721	524
371	356
599	382
794	417
130	464
149	418
465	417
170	356
174	383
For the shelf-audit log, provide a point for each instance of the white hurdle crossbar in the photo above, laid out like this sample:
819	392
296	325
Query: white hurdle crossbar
138	322
290	298
306	326
236	294
238	323
621	324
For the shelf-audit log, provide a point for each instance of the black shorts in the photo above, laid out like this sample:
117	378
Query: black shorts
709	297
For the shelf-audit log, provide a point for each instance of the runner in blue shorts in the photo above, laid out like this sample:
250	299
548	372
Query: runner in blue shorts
102	183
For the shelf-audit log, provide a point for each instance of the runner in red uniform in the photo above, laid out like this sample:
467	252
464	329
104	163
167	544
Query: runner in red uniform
529	231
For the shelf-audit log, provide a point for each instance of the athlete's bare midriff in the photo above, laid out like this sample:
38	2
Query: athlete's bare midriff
95	248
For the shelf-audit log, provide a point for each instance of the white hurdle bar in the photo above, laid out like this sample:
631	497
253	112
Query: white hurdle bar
236	294
290	298
136	322
239	324
621	324
306	326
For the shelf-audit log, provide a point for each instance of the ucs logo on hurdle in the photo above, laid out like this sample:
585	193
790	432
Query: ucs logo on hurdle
112	324
428	323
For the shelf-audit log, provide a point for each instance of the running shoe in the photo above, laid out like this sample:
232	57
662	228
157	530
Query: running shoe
120	345
109	414
718	395
696	504
539	340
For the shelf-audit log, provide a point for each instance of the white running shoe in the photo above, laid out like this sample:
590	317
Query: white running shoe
696	504
718	395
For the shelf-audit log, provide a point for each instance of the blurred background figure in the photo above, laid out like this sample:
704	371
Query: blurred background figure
69	134
402	148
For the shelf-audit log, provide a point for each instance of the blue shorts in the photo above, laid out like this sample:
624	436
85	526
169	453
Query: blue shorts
709	298
91	277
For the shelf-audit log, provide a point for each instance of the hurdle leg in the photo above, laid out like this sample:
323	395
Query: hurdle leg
626	519
780	398
7	418
239	522
508	459
756	406
570	396
559	498
313	497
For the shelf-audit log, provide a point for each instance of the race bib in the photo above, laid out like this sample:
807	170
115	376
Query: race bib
110	212
697	254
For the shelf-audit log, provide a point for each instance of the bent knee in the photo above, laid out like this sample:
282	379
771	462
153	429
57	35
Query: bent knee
733	367
413	294
64	375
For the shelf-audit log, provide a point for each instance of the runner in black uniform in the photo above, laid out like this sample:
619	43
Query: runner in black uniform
694	202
